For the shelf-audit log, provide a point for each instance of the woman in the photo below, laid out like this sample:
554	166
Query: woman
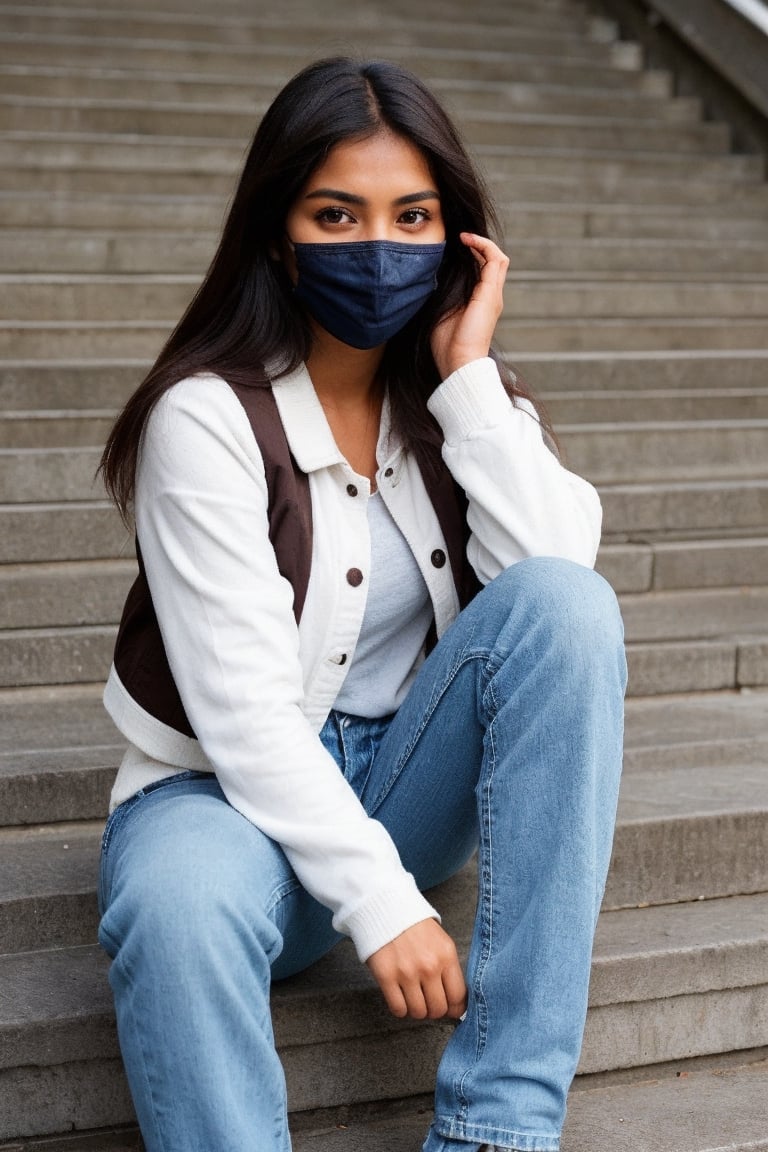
326	464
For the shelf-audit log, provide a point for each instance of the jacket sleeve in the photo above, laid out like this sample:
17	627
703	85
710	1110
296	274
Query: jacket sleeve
522	501
226	618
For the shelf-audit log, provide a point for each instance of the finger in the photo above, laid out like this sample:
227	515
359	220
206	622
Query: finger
435	998
483	248
455	991
415	1001
395	1000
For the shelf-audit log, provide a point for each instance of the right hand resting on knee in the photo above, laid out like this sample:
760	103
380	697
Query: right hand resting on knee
419	973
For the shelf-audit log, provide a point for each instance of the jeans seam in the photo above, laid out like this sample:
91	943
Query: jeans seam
427	715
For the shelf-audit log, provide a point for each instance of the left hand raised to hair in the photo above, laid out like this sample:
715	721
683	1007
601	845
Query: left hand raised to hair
466	334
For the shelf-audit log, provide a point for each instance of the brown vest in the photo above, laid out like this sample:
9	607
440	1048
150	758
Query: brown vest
140	659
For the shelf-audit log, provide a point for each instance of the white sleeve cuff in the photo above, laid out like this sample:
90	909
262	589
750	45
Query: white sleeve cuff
384	916
470	400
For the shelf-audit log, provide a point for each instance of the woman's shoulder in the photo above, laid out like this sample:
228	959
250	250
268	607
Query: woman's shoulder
199	423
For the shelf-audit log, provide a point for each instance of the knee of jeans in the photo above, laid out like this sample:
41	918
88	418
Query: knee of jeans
176	907
569	599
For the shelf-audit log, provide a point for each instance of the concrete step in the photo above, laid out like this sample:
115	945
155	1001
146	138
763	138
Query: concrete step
702	614
697	369
570	34
677	450
100	339
163	297
631	512
221	159
67	174
685	564
74	655
615	335
31	475
85	426
511	128
703	1111
685	508
183	250
59	1016
75	593
168	216
78	593
604	453
59	750
694	1102
45	532
534	58
74	384
68	385
71	594
656	404
96	83
77	655
64	594
48	429
682	835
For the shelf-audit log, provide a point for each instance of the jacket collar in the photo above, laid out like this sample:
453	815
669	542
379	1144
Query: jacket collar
307	430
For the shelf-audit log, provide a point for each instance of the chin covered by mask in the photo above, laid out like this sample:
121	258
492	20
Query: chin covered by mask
365	291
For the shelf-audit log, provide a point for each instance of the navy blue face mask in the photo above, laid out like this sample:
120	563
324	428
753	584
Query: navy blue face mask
364	291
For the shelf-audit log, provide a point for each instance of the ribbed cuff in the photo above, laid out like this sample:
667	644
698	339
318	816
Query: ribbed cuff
471	399
384	916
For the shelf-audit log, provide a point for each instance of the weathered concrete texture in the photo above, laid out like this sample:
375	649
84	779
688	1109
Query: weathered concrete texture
82	592
339	1045
56	656
74	429
695	731
752	666
57	531
685	507
156	296
698	369
91	1093
696	614
695	1112
39	475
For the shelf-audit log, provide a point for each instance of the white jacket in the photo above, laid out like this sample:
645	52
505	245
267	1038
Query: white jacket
257	688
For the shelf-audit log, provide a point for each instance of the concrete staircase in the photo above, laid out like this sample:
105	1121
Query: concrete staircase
636	305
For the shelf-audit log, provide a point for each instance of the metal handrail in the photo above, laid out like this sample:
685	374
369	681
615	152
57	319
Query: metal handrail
752	10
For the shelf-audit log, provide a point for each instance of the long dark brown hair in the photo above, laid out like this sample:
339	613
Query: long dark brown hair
244	314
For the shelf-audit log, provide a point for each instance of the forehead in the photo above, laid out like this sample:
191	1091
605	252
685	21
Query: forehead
384	165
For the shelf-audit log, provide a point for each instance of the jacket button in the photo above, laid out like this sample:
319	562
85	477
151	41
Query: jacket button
354	577
351	490
389	472
438	558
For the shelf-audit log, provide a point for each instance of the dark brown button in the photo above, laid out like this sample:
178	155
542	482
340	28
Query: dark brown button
351	490
354	577
389	471
438	558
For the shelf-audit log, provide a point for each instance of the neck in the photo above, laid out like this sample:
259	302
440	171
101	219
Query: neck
342	376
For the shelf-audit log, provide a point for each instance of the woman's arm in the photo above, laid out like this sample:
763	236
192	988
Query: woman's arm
522	501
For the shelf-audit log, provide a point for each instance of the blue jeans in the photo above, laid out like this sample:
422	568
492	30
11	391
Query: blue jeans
509	740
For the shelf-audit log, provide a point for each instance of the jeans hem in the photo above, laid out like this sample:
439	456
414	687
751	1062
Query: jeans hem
452	1128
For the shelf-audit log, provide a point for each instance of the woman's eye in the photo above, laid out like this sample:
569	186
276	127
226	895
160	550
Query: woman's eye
414	216
333	216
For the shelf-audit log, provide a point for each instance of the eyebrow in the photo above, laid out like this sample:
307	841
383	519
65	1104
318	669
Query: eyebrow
349	198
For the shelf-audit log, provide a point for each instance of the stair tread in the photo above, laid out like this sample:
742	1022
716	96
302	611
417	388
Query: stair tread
707	1111
641	955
